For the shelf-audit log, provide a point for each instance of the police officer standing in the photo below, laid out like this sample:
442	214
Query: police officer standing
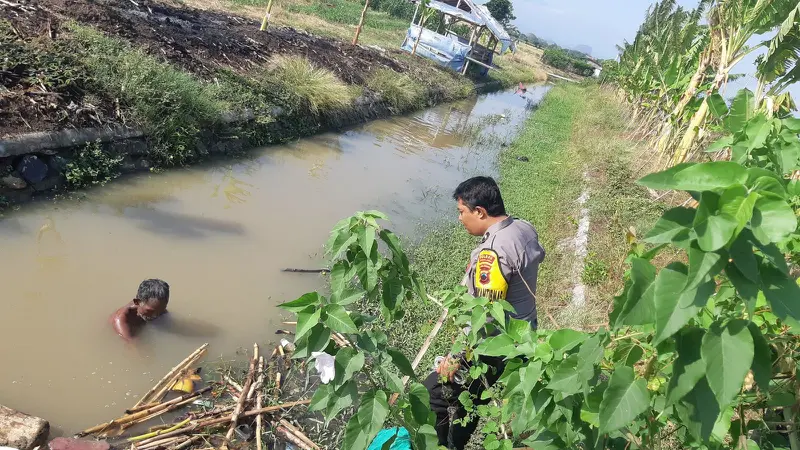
505	265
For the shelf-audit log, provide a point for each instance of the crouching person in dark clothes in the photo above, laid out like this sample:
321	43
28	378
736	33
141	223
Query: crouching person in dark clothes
505	265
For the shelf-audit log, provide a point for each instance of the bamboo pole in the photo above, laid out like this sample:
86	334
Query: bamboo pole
159	432
164	443
141	407
289	436
422	351
242	398
221	420
161	408
422	20
361	22
267	15
188	443
259	404
296	431
191	359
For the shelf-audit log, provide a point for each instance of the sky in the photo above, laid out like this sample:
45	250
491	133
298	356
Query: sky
603	24
596	23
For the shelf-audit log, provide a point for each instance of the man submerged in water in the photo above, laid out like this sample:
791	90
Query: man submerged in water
150	303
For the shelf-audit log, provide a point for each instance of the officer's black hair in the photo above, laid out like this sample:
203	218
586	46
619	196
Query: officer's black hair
483	192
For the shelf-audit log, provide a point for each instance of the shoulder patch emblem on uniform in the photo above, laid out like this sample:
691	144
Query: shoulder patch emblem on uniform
489	279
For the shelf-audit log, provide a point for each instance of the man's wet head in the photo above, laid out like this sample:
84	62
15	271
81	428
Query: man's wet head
151	299
480	204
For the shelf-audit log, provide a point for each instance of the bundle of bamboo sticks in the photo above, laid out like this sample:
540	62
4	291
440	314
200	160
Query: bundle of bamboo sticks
150	405
248	403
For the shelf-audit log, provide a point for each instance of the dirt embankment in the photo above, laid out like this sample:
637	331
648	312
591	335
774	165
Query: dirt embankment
48	90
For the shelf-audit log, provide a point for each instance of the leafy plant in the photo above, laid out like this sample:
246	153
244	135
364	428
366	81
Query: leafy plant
92	165
359	272
704	350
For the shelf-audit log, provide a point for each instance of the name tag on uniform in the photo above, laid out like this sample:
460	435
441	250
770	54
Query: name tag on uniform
489	280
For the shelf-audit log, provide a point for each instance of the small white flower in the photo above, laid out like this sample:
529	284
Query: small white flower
323	362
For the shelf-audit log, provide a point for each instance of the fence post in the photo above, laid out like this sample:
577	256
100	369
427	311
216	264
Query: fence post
265	22
361	22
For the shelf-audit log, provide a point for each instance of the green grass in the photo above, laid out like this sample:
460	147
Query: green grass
318	88
399	90
348	13
172	105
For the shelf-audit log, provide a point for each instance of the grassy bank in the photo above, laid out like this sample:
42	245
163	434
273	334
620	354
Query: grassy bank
575	141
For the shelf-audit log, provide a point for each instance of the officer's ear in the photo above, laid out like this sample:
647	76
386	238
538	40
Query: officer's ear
481	212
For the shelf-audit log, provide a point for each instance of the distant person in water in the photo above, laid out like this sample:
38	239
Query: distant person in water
150	303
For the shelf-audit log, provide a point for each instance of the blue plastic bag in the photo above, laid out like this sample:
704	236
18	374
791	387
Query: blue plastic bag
402	442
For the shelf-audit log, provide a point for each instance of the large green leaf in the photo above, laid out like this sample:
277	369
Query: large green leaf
348	361
697	177
781	292
717	105
738	204
699	410
704	266
302	303
742	110
344	397
393	382
341	243
762	358
306	321
713	230
642	275
688	368
758	129
727	352
567	379
366	239
367	269
674	225
321	397
426	437
627	353
367	422
624	399
393	292
338	320
769	184
420	402
674	305
496	346
348	296
400	361
590	354
398	255
773	219
566	339
741	253
316	340
478	319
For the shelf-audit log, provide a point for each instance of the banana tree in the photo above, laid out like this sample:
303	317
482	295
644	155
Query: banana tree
732	25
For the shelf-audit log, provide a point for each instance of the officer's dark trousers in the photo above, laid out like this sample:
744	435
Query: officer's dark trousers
445	403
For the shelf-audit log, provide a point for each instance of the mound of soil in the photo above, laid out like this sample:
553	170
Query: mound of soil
201	41
198	41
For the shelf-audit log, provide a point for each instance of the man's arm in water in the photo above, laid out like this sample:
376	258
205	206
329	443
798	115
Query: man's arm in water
120	323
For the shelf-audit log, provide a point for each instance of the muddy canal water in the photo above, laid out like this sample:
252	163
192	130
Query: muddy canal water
219	235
